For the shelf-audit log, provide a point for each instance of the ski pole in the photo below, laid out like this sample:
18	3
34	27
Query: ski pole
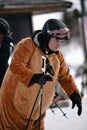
64	114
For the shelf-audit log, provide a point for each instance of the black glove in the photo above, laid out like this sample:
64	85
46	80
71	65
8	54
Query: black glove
76	100
40	79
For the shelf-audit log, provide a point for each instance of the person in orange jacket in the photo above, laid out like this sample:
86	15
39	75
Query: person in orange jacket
24	78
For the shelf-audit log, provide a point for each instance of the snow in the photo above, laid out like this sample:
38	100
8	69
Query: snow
74	122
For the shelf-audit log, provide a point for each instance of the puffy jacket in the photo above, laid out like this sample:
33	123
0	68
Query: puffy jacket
17	98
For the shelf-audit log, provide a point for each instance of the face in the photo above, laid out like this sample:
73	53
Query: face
54	44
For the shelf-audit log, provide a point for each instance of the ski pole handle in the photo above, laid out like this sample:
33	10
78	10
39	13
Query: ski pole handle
44	64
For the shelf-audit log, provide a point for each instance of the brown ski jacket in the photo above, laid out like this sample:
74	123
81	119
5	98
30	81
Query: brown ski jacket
17	98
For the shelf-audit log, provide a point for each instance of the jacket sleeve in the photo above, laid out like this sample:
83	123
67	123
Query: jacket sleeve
20	59
65	78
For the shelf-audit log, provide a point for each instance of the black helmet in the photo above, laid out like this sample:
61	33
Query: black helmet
4	26
53	27
53	24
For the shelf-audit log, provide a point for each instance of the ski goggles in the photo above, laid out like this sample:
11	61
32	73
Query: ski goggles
62	34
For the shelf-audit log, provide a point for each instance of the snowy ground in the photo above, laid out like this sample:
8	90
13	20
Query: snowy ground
74	122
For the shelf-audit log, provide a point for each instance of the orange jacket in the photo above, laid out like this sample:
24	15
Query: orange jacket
17	98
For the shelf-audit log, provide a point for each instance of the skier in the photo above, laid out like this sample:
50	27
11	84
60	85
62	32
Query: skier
24	78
